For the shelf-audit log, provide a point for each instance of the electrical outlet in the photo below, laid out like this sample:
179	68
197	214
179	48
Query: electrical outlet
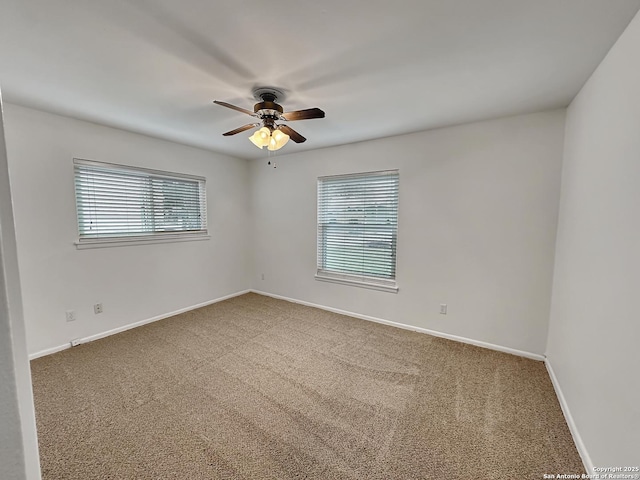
263	276
443	309
71	315
97	308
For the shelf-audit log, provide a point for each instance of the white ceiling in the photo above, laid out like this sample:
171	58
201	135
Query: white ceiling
376	67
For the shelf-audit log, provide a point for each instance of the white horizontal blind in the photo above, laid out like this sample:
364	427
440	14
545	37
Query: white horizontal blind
116	201
358	227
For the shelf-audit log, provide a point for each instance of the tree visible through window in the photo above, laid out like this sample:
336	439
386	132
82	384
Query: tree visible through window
357	228
121	202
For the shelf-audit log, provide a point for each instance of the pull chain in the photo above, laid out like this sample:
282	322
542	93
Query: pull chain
273	164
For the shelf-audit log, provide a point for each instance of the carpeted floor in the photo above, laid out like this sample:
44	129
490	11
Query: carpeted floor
260	388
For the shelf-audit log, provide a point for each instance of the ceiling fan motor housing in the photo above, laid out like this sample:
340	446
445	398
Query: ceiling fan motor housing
268	109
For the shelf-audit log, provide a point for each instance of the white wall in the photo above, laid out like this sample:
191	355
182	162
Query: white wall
477	224
134	283
18	442
594	335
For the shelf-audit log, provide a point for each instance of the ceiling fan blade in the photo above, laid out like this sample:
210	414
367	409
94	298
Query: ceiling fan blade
241	129
233	107
306	114
295	136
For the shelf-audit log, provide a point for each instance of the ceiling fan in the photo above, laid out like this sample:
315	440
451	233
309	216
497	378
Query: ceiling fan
272	135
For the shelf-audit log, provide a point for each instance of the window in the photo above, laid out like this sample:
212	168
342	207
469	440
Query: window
358	229
117	204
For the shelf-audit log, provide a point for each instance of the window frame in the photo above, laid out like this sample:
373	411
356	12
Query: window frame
360	280
142	239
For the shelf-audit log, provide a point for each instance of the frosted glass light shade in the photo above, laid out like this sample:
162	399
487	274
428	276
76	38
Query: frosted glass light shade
264	133
280	137
256	140
261	137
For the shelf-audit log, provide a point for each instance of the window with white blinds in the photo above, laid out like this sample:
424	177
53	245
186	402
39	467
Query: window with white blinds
358	229
122	203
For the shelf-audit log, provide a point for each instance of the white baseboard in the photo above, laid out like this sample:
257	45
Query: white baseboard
478	343
573	428
435	333
113	331
49	351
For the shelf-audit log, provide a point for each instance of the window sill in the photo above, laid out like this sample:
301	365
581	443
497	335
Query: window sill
132	241
357	283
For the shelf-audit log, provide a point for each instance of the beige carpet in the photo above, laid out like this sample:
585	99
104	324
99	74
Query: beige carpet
260	388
